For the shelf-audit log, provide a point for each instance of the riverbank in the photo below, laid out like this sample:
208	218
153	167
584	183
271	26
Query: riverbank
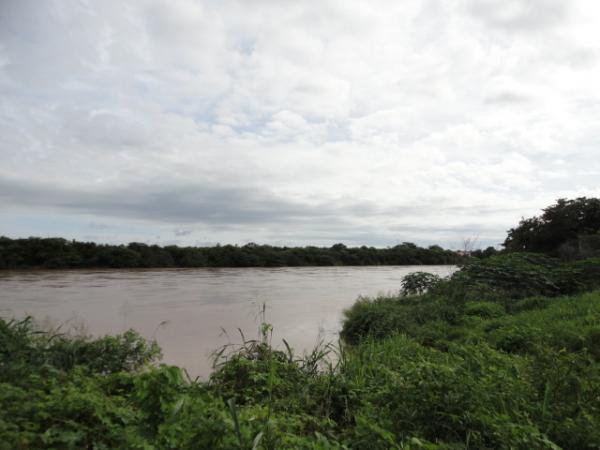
186	310
58	253
502	355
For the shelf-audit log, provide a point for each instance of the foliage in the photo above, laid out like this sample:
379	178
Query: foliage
379	318
518	275
417	283
559	230
482	288
55	253
484	253
486	310
553	350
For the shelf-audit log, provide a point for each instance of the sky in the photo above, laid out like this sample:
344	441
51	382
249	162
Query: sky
294	122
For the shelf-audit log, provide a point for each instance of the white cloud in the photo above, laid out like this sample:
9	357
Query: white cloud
394	116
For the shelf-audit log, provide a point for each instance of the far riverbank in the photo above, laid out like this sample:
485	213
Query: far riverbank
59	253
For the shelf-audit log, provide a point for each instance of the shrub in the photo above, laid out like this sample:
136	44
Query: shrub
531	303
417	283
382	317
513	275
486	310
592	341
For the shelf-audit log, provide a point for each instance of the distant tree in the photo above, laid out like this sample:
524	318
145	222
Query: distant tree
469	244
489	251
60	253
338	247
118	256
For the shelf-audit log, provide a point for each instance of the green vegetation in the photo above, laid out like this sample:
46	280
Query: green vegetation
417	283
569	229
505	354
57	253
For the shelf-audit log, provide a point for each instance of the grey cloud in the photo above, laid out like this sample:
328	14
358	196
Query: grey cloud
379	236
508	98
466	230
108	129
181	233
236	209
206	204
519	15
98	226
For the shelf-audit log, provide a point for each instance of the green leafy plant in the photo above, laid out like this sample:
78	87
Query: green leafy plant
417	283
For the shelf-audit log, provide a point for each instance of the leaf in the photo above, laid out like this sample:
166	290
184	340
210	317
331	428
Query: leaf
178	406
257	440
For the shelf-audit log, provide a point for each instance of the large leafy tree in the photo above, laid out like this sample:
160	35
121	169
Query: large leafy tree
559	230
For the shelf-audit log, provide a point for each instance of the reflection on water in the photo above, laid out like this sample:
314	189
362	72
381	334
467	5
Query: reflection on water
186	309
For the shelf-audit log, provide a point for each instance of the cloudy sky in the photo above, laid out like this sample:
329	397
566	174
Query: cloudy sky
294	122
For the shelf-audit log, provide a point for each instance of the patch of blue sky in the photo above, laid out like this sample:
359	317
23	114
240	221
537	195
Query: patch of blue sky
21	225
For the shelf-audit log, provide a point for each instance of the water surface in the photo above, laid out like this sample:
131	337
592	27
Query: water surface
194	306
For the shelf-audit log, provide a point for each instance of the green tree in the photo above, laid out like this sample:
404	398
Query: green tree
558	230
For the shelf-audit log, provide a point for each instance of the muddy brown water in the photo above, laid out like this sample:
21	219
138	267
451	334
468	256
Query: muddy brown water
186	310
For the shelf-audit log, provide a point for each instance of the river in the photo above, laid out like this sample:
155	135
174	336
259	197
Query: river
188	310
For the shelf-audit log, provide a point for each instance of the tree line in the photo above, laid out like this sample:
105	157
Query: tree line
59	253
569	229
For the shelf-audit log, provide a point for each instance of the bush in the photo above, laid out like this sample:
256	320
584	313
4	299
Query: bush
486	310
417	283
531	303
469	394
513	275
382	317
